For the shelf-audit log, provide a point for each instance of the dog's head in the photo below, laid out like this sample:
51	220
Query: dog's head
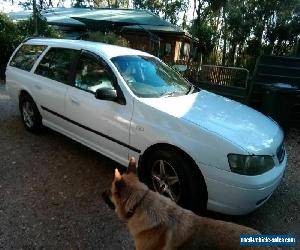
126	191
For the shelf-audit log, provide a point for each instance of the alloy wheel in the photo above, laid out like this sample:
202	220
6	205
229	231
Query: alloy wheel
28	114
165	180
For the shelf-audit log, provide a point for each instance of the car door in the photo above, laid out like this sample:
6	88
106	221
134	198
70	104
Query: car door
50	83
101	124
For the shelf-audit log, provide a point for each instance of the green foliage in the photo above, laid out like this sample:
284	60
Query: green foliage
9	39
109	38
12	34
101	3
26	28
239	31
155	6
171	9
168	9
81	4
206	35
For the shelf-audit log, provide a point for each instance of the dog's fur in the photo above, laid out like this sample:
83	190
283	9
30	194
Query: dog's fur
156	222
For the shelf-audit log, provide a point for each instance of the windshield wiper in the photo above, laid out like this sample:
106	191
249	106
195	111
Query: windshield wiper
193	89
169	93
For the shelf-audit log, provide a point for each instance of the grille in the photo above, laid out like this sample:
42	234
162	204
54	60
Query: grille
280	153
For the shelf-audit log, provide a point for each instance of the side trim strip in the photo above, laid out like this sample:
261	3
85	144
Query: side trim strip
92	130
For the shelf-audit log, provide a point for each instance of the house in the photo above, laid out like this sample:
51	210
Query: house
144	30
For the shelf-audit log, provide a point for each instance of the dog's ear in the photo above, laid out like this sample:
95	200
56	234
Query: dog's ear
118	176
131	166
118	181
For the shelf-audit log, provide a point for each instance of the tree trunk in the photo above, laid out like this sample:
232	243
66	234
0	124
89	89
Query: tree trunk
232	53
116	5
199	8
297	53
224	38
35	19
239	54
218	35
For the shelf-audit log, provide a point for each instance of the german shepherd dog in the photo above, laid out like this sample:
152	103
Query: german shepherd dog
156	222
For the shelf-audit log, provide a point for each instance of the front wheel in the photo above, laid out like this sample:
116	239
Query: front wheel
173	174
30	114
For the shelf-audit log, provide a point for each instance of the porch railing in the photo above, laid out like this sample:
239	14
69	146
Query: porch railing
231	82
219	75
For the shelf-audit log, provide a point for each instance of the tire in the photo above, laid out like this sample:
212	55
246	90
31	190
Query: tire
188	191
30	115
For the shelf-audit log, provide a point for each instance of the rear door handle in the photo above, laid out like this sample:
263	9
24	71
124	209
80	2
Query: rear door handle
75	101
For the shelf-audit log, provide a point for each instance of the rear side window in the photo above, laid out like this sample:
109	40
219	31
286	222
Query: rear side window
56	64
26	56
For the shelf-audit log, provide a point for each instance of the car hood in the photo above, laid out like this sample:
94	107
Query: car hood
241	125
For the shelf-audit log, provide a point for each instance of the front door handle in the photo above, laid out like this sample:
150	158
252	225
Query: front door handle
75	101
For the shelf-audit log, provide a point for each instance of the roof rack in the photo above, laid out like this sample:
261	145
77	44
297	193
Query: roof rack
33	37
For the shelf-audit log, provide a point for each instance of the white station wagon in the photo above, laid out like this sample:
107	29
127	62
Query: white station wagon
200	149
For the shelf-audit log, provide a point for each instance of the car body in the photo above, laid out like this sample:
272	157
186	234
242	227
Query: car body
214	134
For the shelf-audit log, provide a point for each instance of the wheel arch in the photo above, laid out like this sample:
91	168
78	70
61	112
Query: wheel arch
36	118
195	168
23	92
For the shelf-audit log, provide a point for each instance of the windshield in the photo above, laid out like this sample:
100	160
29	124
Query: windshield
149	77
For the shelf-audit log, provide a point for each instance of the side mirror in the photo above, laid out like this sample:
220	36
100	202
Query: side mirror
107	94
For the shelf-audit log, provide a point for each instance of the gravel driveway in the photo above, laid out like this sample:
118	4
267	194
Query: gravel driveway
50	192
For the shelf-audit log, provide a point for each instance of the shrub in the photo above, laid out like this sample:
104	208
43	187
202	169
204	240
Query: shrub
12	34
110	38
9	39
26	28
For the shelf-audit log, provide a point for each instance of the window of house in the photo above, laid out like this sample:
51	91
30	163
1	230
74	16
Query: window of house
26	56
184	49
56	64
91	75
168	48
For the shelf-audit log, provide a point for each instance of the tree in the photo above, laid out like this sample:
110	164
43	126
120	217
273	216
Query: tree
41	4
9	39
206	36
12	34
26	28
101	3
109	38
171	9
155	6
241	30
167	9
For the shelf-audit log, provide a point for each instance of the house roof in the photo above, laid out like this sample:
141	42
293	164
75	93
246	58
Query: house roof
105	50
128	18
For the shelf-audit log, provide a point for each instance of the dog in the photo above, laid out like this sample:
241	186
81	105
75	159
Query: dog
156	222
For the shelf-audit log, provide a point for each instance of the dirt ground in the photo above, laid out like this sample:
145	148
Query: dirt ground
50	192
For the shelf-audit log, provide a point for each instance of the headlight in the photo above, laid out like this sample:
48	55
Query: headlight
250	164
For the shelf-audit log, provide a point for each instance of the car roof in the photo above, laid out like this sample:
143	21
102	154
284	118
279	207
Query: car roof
106	50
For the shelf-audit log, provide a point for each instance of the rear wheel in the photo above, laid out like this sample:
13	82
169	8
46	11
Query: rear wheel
30	114
171	173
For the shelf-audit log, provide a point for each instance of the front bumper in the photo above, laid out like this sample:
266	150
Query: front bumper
234	194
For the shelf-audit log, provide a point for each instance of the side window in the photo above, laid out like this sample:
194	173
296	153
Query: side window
56	64
26	56
91	75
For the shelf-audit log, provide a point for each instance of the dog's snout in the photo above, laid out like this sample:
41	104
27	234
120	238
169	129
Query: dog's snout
106	195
